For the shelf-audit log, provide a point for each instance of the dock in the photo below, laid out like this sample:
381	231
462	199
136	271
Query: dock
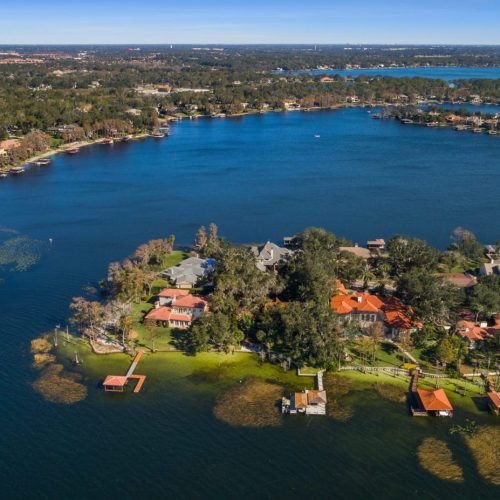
117	383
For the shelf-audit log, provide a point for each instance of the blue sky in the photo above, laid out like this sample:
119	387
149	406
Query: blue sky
251	21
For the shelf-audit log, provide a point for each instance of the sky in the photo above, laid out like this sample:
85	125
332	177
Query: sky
249	21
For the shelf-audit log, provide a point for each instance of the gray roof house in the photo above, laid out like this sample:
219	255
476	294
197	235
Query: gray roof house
189	272
270	255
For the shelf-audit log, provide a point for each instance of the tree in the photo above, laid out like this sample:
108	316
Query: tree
201	238
407	253
465	242
444	352
376	334
214	329
431	299
87	315
152	333
311	274
126	324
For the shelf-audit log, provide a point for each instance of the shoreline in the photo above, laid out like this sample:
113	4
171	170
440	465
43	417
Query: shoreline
140	135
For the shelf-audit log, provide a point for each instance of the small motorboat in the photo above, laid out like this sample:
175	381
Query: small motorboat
107	141
42	162
17	170
317	136
158	135
73	151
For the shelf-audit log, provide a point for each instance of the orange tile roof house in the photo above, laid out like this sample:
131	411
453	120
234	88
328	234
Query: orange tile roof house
367	309
176	309
475	334
435	402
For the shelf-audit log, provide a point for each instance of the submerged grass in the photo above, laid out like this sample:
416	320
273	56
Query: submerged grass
59	386
41	345
250	404
485	448
435	457
337	386
42	359
390	392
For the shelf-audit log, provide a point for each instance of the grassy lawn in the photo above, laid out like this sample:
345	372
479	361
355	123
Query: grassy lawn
176	257
163	340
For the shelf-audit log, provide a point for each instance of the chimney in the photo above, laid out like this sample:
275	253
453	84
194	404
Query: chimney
359	299
483	324
157	304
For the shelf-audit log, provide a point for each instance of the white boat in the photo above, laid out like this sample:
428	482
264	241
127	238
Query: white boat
317	136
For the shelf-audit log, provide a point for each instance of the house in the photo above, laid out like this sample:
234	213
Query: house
189	272
326	79
180	311
169	295
489	268
270	256
353	99
494	402
435	402
376	245
362	252
366	310
475	334
8	145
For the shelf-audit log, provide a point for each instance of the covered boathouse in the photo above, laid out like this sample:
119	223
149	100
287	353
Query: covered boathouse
494	402
434	402
115	383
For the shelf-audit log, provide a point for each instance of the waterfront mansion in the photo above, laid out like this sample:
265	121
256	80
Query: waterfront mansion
366	309
176	308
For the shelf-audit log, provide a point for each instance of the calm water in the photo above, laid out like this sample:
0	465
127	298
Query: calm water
448	73
259	178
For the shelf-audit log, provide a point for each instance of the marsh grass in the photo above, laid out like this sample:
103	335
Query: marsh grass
485	447
252	403
435	457
59	386
339	411
390	392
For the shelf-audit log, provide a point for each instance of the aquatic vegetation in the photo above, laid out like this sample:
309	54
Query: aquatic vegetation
43	359
339	411
470	428
484	447
336	387
59	386
435	457
20	253
41	345
390	392
252	403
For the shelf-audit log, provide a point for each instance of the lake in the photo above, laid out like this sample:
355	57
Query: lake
259	177
447	73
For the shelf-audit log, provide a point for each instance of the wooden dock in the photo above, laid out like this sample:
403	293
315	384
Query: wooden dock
116	383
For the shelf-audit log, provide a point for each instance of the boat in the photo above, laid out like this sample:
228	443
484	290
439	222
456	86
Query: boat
317	136
3	175
477	130
127	138
73	151
492	132
107	141
433	124
406	121
17	170
376	116
158	135
42	162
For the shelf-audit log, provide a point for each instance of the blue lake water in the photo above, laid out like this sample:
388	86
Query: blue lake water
259	177
447	73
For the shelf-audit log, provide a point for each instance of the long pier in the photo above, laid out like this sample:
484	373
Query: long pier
116	383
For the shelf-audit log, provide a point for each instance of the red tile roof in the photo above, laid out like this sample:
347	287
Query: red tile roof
434	400
115	380
159	313
473	331
173	292
494	398
190	301
359	301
